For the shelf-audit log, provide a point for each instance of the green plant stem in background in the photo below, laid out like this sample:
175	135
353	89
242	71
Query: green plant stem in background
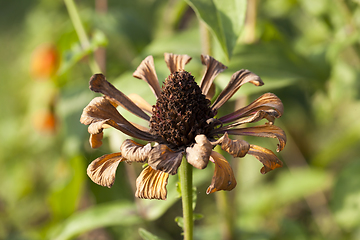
185	174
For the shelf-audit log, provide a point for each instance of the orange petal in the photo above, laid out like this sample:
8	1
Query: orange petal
237	148
223	178
266	157
102	170
213	68
142	103
176	62
96	140
135	152
151	184
163	158
198	155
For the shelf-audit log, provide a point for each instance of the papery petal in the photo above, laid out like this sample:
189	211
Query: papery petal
237	148
100	112
135	152
140	102
267	130
266	157
102	170
237	80
146	71
151	184
198	155
213	68
267	101
164	159
223	178
176	62
96	140
98	83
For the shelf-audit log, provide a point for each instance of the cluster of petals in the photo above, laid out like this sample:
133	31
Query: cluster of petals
162	160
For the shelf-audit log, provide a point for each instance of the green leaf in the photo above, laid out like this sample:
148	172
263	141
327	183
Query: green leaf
225	19
117	213
180	222
147	235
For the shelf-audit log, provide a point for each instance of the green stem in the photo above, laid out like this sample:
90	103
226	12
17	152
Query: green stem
185	173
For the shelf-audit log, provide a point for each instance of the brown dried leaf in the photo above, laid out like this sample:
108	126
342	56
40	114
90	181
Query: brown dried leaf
102	170
213	68
96	140
237	80
176	62
198	155
162	158
237	148
223	178
98	83
146	71
151	184
135	152
266	157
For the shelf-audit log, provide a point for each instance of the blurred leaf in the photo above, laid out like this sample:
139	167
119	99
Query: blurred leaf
180	222
225	19
110	214
147	235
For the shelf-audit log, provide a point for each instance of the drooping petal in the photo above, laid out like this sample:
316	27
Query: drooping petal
176	62
198	155
223	178
266	130
237	148
100	113
237	80
151	184
98	83
213	68
135	152
146	72
95	140
162	158
144	105
267	101
266	157
102	170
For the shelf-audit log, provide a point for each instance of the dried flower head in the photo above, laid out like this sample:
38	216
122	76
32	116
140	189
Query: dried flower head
183	122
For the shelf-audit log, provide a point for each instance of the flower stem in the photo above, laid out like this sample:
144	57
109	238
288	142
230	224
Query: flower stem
185	173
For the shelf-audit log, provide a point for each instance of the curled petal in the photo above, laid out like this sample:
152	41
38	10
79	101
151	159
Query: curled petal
96	140
267	101
223	178
135	152
141	103
151	184
237	148
198	155
102	170
164	159
98	83
100	113
176	62
213	68
146	72
267	130
237	80
266	157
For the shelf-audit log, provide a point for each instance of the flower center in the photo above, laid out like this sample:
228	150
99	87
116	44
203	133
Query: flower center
181	111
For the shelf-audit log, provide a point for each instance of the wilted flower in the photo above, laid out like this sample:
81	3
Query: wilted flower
183	122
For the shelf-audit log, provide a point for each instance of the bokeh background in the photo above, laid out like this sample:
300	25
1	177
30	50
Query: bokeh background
307	52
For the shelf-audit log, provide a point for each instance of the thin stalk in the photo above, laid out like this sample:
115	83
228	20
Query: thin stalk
185	174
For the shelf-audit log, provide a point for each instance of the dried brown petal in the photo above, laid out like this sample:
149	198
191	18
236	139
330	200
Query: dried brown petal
198	155
98	83
96	140
140	102
213	68
176	62
223	178
146	72
135	152
237	80
151	184
237	148
267	130
164	159
102	170
266	157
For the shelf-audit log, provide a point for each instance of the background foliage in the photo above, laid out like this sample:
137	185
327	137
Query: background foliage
307	52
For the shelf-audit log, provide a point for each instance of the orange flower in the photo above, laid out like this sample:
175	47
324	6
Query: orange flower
182	123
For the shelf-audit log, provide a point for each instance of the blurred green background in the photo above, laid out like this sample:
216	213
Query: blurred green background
307	52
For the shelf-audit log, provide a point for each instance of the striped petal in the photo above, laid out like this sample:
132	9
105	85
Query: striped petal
164	159
135	152
151	184
176	62
213	68
266	157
